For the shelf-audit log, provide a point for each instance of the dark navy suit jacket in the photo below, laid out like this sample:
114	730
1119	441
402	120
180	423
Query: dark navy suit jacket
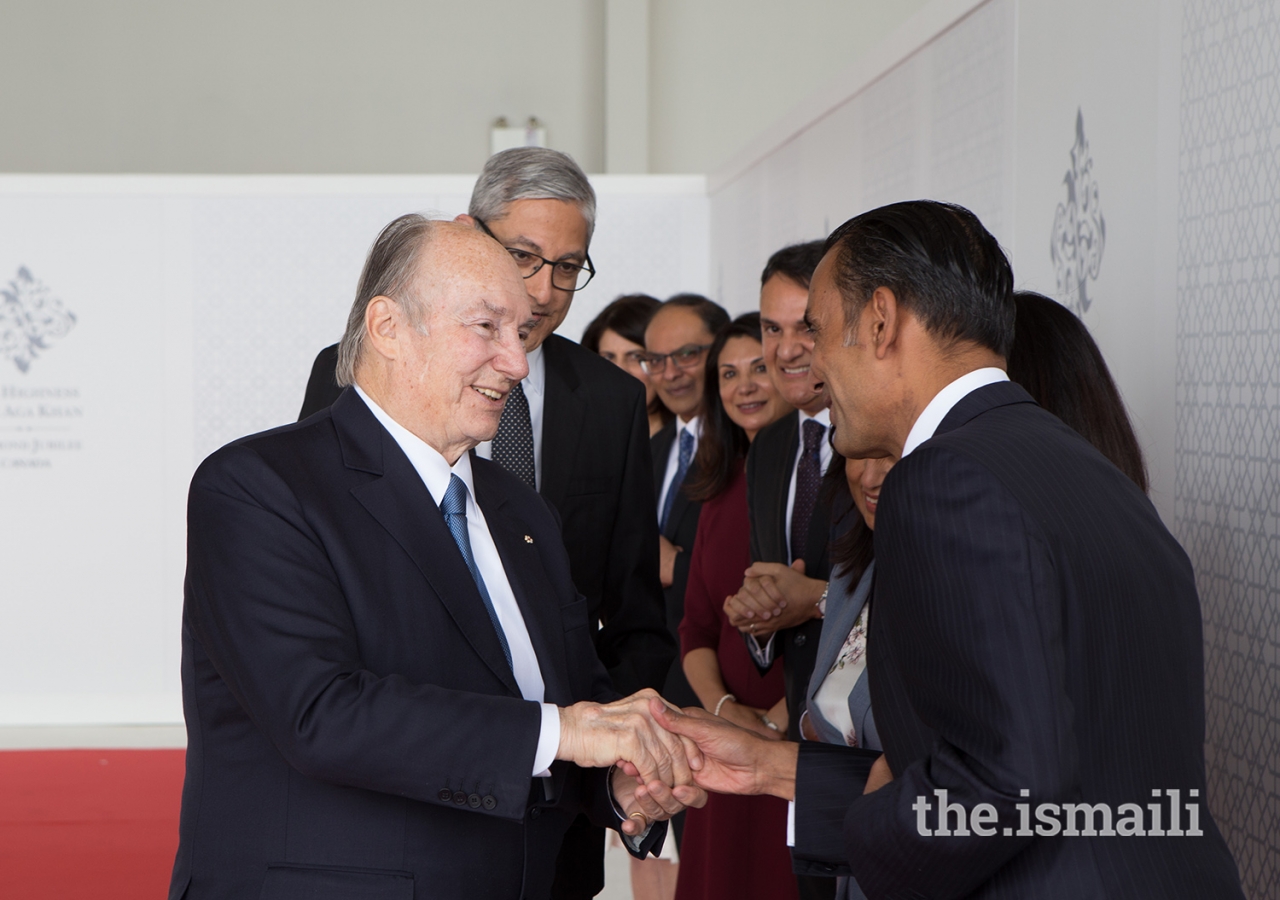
353	727
1034	627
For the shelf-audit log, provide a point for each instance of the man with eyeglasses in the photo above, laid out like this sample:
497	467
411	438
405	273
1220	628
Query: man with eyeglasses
576	430
676	343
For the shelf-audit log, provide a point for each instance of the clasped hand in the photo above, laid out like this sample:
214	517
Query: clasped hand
773	596
655	767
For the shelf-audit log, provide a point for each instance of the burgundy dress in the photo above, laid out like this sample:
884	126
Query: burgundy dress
734	847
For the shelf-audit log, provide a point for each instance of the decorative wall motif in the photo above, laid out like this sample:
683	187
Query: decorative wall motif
32	319
1228	406
1079	231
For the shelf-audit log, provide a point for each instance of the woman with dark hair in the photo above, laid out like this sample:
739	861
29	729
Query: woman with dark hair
617	334
1055	358
734	846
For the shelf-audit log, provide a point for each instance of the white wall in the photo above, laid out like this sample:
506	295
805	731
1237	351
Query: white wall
199	304
315	86
391	86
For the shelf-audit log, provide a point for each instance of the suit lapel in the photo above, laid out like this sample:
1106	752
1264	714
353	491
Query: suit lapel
790	449
534	596
401	504
563	413
660	444
681	503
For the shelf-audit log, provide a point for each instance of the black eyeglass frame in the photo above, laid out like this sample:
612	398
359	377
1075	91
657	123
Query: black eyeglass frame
657	362
589	268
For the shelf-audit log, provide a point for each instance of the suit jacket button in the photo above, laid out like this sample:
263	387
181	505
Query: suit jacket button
535	812
473	801
800	639
489	801
444	795
459	798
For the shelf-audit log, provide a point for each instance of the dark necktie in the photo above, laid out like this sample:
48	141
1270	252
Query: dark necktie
682	469
454	507
513	444
808	478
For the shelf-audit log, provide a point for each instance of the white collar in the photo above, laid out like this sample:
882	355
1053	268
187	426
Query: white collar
431	467
694	425
945	400
822	417
536	380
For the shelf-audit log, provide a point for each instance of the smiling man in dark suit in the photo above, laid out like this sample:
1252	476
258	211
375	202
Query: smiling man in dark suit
576	430
1035	651
388	674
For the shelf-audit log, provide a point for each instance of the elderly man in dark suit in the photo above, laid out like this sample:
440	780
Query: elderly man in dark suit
576	430
388	675
1034	657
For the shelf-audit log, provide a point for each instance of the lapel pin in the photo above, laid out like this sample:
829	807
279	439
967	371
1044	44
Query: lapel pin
527	539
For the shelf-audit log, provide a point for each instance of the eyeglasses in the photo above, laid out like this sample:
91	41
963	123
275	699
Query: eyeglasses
565	275
686	358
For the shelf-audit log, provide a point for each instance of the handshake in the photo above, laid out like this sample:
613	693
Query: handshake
667	758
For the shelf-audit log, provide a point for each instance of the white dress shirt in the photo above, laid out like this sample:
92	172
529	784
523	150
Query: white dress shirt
824	452
436	474
535	392
694	427
925	426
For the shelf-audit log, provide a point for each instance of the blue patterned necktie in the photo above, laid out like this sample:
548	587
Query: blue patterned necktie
454	507
808	478
513	444
682	469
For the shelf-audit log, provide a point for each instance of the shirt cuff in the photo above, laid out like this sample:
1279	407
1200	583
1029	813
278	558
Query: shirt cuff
762	655
791	823
548	741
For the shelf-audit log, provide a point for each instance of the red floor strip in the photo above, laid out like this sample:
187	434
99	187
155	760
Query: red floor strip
99	824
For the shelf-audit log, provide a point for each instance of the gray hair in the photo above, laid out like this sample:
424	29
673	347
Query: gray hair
531	173
389	271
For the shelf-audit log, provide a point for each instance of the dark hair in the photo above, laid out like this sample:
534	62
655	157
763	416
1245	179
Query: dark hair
938	260
711	313
795	262
723	441
1056	360
627	315
853	549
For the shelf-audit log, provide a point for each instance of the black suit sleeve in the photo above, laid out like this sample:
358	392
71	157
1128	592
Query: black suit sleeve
970	610
322	386
829	778
634	643
264	603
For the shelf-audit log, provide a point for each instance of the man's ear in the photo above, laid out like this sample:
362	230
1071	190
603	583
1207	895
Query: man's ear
885	320
464	219
381	321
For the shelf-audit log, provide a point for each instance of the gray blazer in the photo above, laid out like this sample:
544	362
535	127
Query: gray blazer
844	603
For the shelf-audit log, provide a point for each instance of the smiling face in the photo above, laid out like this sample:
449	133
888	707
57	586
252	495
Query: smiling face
746	390
555	230
866	392
447	378
788	346
627	356
672	328
865	476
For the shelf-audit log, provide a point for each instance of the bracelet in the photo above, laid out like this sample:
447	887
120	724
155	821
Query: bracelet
721	703
822	601
767	722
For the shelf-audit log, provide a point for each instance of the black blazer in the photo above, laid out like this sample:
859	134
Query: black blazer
595	472
681	530
771	463
353	727
1034	627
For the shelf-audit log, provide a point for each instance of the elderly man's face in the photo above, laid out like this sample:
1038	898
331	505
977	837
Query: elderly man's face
460	365
862	388
551	229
